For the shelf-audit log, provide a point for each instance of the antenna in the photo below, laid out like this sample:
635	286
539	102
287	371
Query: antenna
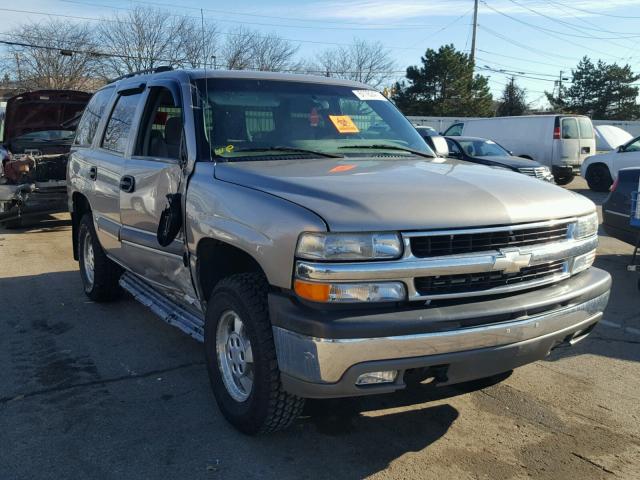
206	86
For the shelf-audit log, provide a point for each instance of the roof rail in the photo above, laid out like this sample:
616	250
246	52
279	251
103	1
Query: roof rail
162	68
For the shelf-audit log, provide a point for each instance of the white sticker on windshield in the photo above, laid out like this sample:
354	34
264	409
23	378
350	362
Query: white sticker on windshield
369	95
491	142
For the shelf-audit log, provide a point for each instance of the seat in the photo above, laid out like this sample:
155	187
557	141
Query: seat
157	145
173	136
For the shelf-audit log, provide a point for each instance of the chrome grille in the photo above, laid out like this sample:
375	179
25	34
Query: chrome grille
537	172
478	282
481	241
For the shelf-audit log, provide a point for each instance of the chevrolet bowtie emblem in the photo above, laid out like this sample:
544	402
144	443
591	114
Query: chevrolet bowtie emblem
511	261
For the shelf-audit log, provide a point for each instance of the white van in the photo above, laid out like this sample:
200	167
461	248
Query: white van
561	142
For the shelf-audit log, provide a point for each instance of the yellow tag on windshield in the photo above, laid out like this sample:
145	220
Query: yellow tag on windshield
343	123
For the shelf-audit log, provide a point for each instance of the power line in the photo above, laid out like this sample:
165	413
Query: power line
550	32
244	22
227	12
584	10
528	48
94	19
521	59
448	25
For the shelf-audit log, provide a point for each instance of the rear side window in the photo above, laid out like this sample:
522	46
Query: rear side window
586	128
454	130
91	118
570	129
116	135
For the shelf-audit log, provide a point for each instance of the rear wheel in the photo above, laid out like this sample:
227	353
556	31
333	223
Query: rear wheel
599	178
241	357
563	179
13	223
99	274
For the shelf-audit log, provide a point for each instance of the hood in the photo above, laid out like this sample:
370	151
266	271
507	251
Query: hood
408	194
42	110
610	137
511	162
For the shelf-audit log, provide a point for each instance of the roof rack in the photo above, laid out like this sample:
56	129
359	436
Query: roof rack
162	68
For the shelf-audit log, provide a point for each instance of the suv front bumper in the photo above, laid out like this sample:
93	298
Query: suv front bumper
322	355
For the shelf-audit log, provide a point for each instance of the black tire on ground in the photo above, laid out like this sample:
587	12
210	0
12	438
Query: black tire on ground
267	407
13	224
102	285
563	179
599	178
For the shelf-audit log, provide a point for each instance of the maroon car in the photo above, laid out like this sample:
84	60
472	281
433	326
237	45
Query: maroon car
38	131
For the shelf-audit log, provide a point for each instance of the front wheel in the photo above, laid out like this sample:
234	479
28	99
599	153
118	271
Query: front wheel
241	357
598	178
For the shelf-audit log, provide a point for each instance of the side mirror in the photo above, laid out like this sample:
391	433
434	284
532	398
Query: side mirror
620	149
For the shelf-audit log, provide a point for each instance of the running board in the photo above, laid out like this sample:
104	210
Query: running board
166	309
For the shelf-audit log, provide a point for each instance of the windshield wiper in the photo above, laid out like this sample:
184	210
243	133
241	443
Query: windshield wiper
390	147
288	149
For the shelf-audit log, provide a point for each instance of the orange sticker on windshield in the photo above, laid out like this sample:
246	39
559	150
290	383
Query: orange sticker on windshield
343	123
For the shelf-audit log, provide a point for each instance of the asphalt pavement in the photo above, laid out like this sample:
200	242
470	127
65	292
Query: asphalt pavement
108	391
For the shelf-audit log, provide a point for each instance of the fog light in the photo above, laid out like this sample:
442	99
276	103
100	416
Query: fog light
582	262
387	376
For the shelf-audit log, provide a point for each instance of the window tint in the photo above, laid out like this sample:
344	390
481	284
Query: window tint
454	130
163	132
116	135
570	129
633	146
586	128
453	148
91	117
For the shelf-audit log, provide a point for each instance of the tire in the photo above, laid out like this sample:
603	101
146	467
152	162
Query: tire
563	179
13	224
239	354
99	274
599	178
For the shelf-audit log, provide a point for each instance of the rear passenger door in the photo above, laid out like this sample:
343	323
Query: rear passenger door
154	170
109	166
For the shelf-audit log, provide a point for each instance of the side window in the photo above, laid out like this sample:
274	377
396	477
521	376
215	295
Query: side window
633	146
454	151
586	128
91	118
116	135
162	134
570	129
454	130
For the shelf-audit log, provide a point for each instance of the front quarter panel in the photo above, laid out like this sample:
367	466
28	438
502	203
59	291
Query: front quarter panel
263	225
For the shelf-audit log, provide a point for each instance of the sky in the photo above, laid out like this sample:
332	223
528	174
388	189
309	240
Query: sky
534	40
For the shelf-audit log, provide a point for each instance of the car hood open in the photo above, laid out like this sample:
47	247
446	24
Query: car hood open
406	194
42	110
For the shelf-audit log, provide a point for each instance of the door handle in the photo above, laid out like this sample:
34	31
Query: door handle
93	173
127	184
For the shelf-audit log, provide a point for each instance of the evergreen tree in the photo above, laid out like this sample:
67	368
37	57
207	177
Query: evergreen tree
444	85
513	100
603	91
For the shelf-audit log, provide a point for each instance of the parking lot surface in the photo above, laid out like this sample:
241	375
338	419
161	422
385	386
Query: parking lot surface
108	391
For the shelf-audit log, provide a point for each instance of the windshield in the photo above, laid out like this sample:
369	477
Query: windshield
47	136
248	119
482	148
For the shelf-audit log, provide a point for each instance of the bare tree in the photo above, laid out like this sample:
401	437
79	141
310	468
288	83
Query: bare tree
367	62
54	54
146	37
247	49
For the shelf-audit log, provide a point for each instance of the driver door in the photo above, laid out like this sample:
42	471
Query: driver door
153	171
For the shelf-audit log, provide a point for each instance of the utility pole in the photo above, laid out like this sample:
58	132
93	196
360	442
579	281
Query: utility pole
560	87
475	27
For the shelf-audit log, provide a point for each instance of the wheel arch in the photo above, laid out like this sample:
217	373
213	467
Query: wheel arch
217	260
79	206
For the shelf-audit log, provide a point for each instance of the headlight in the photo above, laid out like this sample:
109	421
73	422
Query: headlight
586	226
349	246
